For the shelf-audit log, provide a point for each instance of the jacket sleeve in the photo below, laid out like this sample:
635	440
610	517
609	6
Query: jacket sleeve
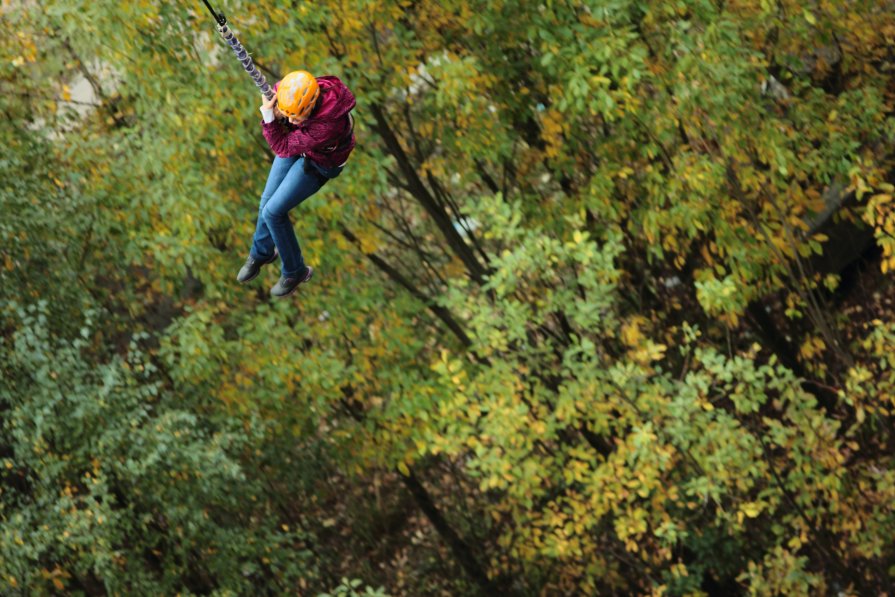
285	143
281	140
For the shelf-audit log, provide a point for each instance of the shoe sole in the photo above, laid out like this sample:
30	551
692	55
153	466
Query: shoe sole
291	292
258	273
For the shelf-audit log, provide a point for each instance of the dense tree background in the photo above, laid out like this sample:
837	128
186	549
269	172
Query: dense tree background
603	302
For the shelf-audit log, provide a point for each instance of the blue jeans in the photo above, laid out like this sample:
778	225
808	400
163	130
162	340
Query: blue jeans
291	181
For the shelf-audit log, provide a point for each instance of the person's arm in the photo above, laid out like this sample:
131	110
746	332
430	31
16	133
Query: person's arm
283	142
269	110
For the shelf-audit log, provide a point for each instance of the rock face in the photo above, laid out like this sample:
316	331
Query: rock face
82	95
849	240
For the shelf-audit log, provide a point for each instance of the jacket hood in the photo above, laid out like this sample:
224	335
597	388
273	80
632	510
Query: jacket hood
337	99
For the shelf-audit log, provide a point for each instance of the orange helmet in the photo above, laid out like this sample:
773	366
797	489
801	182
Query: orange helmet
297	94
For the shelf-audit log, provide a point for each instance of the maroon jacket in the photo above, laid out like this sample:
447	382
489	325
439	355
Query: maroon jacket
327	137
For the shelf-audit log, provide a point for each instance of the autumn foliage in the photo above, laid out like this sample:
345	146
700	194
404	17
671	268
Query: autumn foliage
603	302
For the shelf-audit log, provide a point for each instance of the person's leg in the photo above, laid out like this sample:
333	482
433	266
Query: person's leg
262	241
297	186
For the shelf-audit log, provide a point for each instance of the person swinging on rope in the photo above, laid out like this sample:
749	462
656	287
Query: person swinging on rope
310	130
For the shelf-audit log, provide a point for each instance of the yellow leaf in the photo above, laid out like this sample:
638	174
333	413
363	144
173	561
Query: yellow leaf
403	469
631	334
751	509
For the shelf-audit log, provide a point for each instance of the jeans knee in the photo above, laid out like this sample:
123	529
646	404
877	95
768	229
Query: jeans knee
270	216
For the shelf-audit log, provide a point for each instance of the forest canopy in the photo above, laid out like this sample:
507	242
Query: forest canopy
602	302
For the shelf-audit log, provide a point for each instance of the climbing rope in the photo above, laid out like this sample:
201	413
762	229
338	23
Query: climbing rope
241	54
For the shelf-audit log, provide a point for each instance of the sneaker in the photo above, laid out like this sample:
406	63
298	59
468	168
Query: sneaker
286	286
252	268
